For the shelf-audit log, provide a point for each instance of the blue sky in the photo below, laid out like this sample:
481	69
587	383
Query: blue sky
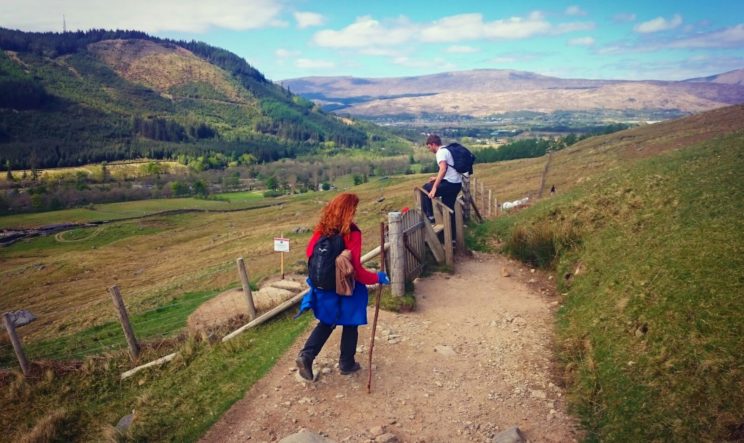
634	40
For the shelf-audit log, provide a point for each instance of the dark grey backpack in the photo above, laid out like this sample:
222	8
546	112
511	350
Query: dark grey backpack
462	157
321	265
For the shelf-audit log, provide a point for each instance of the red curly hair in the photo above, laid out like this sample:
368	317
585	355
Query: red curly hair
338	215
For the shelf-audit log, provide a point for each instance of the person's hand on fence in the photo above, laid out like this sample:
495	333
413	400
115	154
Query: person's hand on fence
383	278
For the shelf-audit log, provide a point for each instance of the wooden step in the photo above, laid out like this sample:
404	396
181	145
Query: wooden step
438	228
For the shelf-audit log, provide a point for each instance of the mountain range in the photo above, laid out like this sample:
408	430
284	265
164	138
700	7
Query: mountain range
489	92
78	97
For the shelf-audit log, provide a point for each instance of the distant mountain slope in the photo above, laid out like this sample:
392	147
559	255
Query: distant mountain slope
483	93
81	97
165	69
731	78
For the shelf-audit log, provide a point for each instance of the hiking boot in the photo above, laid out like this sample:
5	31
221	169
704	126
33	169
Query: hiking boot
305	367
354	368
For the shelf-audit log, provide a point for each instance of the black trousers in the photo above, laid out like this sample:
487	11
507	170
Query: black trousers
349	338
448	191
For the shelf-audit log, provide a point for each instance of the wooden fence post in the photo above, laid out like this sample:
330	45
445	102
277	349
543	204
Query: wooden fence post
466	196
246	289
483	197
17	347
474	189
544	174
496	206
397	255
417	199
449	254
134	348
437	211
490	200
459	227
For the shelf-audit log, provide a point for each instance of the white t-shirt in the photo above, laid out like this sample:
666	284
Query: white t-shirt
451	175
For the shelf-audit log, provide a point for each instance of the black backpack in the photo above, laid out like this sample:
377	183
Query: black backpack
463	159
321	265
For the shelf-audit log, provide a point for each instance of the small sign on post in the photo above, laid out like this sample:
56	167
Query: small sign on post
281	245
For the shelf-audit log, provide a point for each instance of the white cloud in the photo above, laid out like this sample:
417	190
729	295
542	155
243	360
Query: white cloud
285	53
472	27
726	38
308	19
565	28
574	10
384	52
624	17
306	63
144	15
365	32
581	41
732	37
659	24
462	49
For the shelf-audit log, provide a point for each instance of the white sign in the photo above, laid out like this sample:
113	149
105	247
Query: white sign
281	244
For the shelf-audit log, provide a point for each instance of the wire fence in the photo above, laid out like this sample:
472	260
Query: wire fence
150	326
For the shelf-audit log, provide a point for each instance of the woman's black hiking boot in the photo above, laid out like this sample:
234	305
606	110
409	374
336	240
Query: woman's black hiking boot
305	366
355	367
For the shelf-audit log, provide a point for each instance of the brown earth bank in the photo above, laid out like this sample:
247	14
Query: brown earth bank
474	359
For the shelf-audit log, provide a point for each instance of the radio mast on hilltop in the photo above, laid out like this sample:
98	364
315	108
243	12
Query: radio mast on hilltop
64	24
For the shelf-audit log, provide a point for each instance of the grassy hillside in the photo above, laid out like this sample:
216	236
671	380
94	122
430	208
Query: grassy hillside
648	231
73	98
649	257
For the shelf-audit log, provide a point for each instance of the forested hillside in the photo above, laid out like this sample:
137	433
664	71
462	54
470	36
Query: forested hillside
79	97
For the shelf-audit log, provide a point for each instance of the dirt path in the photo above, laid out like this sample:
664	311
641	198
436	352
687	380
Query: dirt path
474	359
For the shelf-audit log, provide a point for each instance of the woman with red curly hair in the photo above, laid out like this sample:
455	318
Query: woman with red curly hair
332	309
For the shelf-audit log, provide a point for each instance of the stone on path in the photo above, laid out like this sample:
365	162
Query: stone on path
125	422
445	350
511	435
305	436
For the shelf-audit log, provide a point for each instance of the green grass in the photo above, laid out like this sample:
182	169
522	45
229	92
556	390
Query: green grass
177	402
164	321
116	211
81	239
652	330
240	196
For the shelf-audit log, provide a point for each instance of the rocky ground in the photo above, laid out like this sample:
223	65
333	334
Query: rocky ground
474	359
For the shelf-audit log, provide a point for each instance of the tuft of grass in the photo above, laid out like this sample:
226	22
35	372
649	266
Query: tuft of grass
51	427
651	265
389	302
541	244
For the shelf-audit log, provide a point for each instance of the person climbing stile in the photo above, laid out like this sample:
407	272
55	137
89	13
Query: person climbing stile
446	184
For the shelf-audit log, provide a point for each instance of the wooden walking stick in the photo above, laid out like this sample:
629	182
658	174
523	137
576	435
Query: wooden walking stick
377	305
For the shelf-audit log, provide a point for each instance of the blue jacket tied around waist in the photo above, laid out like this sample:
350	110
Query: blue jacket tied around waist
333	309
